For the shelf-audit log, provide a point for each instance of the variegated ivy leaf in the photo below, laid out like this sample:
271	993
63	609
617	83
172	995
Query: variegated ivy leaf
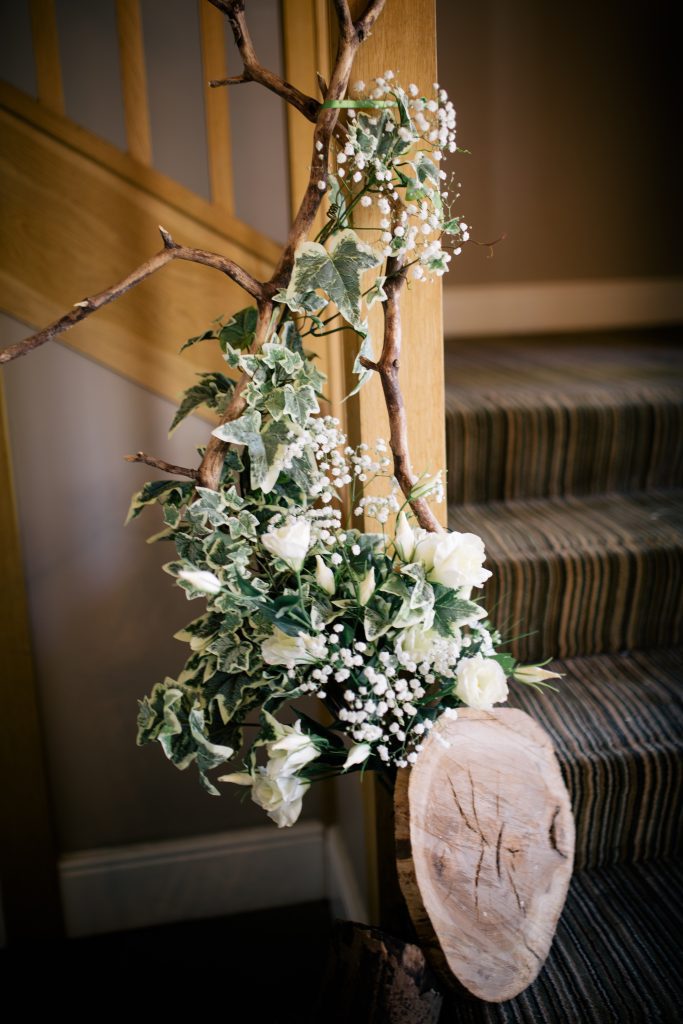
304	303
426	170
449	610
239	330
214	391
337	273
364	374
209	755
376	293
278	357
247	431
173	492
378	618
163	716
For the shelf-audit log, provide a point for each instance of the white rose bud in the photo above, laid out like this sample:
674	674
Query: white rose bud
324	576
533	674
404	539
290	751
290	542
357	754
201	579
366	588
481	683
281	649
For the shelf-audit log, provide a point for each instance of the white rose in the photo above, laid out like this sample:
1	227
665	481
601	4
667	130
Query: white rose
281	649
290	751
453	559
290	542
481	683
281	797
201	579
416	641
324	576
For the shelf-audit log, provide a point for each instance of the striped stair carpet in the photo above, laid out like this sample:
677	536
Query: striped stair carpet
566	455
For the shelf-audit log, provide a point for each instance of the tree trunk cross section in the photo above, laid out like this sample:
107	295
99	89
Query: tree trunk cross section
485	848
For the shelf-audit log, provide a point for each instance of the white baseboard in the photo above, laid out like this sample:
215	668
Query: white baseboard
136	886
471	310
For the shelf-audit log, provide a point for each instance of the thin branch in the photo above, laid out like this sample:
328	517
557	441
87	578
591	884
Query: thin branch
255	72
165	467
89	305
388	367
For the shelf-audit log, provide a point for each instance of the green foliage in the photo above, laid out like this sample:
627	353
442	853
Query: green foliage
336	273
214	390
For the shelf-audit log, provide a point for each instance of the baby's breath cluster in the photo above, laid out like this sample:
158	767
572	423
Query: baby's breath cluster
388	161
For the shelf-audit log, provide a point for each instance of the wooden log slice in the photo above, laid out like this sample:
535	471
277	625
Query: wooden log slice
485	848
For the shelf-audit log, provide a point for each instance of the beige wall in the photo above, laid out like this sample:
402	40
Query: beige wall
570	114
102	611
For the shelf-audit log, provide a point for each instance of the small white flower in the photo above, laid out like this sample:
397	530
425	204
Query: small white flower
357	754
324	576
290	750
202	580
359	86
281	649
366	587
533	674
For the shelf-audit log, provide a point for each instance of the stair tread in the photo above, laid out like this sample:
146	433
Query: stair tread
558	415
611	521
615	956
617	726
605	362
601	573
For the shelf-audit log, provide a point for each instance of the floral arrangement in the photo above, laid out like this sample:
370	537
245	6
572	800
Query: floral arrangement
385	628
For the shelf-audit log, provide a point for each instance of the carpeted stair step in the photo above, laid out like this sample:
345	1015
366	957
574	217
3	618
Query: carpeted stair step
564	415
602	573
615	958
617	725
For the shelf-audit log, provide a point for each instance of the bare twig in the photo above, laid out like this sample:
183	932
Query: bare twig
255	72
388	367
165	467
170	252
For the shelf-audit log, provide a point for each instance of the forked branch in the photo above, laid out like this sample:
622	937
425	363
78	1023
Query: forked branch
253	70
170	252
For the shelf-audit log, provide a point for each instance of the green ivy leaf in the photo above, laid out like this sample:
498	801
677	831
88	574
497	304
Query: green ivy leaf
214	390
337	273
449	609
239	331
173	492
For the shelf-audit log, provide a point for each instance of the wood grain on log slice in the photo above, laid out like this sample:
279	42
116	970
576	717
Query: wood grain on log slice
485	848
